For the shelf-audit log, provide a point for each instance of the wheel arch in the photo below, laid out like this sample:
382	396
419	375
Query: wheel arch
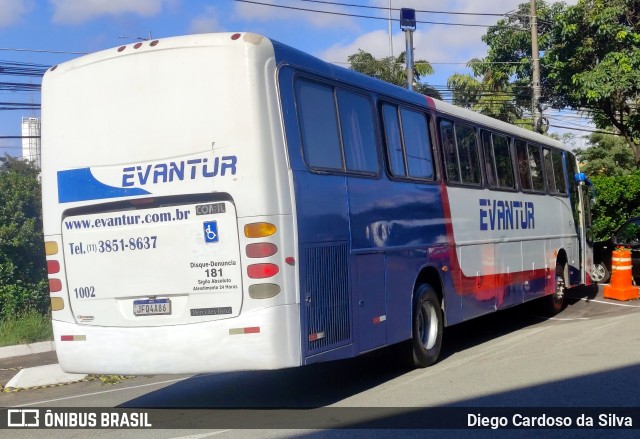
431	275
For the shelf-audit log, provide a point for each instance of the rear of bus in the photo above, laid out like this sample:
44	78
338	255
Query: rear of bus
168	217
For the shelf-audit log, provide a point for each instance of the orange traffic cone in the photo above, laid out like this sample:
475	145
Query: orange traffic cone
621	287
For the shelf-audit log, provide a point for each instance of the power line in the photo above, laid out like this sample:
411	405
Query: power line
358	15
14	49
397	9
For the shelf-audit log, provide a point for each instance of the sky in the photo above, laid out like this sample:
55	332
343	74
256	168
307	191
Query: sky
48	32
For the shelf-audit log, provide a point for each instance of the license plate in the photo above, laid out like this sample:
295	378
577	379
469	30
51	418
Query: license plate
151	307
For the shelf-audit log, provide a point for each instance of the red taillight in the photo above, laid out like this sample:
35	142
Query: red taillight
55	285
53	267
261	250
261	271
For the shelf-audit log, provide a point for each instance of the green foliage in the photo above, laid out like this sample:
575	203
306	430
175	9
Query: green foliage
618	198
607	156
29	327
486	97
594	63
507	68
23	284
392	69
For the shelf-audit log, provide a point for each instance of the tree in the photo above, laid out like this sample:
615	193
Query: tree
22	263
607	156
506	71
486	97
594	63
392	69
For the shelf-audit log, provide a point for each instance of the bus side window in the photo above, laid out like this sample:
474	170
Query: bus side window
358	132
468	154
498	162
504	162
489	159
524	172
450	151
393	139
548	170
319	125
417	144
535	166
558	171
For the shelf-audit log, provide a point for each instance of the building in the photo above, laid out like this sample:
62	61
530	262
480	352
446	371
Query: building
31	139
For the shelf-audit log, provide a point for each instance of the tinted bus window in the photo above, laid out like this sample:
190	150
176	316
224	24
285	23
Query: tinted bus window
319	125
462	161
535	166
450	151
358	132
548	170
504	163
498	162
558	171
468	153
394	139
524	173
417	144
489	159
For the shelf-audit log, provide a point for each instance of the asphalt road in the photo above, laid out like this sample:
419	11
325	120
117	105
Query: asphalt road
588	356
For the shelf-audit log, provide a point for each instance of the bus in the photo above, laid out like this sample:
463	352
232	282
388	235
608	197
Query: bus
224	202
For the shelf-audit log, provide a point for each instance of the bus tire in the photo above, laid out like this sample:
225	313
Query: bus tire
427	327
554	303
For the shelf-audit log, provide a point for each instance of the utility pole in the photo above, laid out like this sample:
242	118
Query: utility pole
408	25
536	109
390	33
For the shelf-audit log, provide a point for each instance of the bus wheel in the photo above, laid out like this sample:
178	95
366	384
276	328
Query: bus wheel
427	327
553	303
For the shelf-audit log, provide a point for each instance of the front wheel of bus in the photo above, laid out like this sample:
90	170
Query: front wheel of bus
427	327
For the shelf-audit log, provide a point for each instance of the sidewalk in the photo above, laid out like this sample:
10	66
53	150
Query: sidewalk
32	365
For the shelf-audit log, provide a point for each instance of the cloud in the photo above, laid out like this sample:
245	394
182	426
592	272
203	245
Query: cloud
12	11
206	22
74	11
430	44
255	12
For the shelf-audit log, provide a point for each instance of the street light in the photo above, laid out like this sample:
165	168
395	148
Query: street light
408	25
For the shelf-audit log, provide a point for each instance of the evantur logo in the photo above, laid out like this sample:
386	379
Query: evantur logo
506	215
141	175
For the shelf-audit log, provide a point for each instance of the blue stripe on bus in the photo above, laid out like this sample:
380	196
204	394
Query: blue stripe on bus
81	185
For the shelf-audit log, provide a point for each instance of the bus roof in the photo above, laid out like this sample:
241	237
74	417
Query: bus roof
288	55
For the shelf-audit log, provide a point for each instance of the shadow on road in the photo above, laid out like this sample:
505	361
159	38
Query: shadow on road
325	384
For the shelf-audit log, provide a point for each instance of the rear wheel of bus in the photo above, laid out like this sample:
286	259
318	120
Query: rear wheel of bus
554	303
427	327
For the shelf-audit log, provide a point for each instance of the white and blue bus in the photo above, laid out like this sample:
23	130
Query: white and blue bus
225	202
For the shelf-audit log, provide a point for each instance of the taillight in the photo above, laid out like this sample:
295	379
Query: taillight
259	230
261	250
53	268
262	271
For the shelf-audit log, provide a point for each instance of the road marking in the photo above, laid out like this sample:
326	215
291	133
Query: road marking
567	319
610	303
201	436
102	392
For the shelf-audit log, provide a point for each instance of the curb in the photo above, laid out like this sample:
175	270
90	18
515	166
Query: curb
40	377
27	349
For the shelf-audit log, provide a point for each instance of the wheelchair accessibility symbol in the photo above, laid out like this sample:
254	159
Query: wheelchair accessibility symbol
211	231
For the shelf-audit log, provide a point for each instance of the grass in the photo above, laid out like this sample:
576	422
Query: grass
29	327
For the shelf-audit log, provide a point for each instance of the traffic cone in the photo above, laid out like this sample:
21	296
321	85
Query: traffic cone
621	287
